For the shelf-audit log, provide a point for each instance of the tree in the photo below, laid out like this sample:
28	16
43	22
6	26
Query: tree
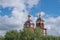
12	35
38	34
1	37
27	34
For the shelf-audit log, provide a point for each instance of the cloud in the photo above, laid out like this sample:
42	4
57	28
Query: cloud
19	3
42	13
32	3
53	25
2	32
19	14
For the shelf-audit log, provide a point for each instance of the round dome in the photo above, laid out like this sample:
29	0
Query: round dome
40	20
29	22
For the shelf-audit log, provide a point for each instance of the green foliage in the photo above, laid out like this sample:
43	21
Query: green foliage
1	38
38	34
27	34
12	35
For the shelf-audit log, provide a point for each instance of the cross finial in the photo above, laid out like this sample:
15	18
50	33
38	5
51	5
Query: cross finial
29	16
39	14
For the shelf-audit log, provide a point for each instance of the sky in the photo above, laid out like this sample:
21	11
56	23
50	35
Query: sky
13	14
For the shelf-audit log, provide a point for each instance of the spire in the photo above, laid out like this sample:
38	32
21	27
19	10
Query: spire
39	14
29	16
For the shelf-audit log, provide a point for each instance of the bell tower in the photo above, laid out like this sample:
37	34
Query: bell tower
29	23
40	24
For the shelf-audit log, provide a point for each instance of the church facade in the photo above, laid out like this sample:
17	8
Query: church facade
39	23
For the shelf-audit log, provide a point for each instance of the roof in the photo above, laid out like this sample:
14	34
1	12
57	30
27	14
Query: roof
29	22
40	19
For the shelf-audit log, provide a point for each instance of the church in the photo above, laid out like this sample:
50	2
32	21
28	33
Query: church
39	23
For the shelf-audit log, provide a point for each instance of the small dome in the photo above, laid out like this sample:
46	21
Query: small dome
29	22
40	20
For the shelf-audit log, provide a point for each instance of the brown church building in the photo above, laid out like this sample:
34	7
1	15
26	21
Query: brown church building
39	23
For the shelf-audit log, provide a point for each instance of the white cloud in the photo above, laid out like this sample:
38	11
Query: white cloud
18	17
31	3
42	13
2	32
53	25
15	22
19	3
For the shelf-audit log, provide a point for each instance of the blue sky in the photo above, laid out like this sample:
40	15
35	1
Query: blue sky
5	11
13	14
51	7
